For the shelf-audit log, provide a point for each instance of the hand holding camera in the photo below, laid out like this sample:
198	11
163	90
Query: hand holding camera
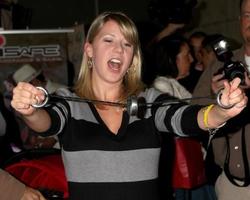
230	70
217	82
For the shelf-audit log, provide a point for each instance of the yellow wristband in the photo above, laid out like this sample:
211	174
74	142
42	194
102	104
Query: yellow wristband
205	115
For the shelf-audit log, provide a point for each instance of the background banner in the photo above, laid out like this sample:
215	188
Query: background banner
46	49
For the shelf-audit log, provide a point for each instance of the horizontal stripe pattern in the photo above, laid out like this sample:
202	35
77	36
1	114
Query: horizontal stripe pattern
124	166
61	116
159	119
176	121
111	166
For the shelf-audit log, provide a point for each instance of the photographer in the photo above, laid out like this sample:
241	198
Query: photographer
231	148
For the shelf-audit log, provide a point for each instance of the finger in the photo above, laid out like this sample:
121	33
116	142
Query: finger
20	105
237	92
29	87
29	94
236	97
41	197
235	83
24	86
227	88
25	97
217	77
242	103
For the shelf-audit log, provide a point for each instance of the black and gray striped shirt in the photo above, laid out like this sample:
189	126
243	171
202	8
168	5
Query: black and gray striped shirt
101	165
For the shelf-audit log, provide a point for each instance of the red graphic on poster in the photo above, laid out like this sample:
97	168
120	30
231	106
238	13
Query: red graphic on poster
2	41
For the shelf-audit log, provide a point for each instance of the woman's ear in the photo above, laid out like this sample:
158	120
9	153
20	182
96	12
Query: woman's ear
88	49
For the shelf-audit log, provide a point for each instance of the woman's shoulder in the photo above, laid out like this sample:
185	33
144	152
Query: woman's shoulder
165	81
150	94
170	86
63	91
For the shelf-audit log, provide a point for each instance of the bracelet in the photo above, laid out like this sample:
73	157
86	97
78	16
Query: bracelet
205	115
205	120
218	100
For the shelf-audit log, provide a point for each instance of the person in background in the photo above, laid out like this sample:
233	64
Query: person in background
28	73
172	60
148	70
172	57
2	133
195	41
166	71
167	17
231	149
10	137
12	189
110	153
208	56
9	85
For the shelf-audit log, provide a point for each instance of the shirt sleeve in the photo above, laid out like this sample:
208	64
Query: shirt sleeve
59	112
173	115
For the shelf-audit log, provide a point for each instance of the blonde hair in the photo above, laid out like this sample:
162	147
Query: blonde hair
132	83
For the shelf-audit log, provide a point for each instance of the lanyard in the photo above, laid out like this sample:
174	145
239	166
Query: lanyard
133	104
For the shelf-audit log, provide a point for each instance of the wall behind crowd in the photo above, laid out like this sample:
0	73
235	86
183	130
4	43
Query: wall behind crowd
211	16
58	13
218	16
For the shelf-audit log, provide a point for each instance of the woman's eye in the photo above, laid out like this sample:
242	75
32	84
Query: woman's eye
108	40
128	45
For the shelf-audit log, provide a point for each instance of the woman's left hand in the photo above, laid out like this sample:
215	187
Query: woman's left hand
233	95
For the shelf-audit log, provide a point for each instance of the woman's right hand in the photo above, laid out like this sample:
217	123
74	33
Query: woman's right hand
24	96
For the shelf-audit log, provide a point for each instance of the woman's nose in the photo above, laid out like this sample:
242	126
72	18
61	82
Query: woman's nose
119	47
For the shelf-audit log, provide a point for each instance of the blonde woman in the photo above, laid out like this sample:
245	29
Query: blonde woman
107	153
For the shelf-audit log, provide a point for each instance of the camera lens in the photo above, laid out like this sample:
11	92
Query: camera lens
235	69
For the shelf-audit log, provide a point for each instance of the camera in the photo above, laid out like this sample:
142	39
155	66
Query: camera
231	69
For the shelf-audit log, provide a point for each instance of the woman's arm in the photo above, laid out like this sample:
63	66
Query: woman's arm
186	120
24	96
166	31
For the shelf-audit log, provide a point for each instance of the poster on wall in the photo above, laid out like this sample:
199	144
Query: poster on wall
44	49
